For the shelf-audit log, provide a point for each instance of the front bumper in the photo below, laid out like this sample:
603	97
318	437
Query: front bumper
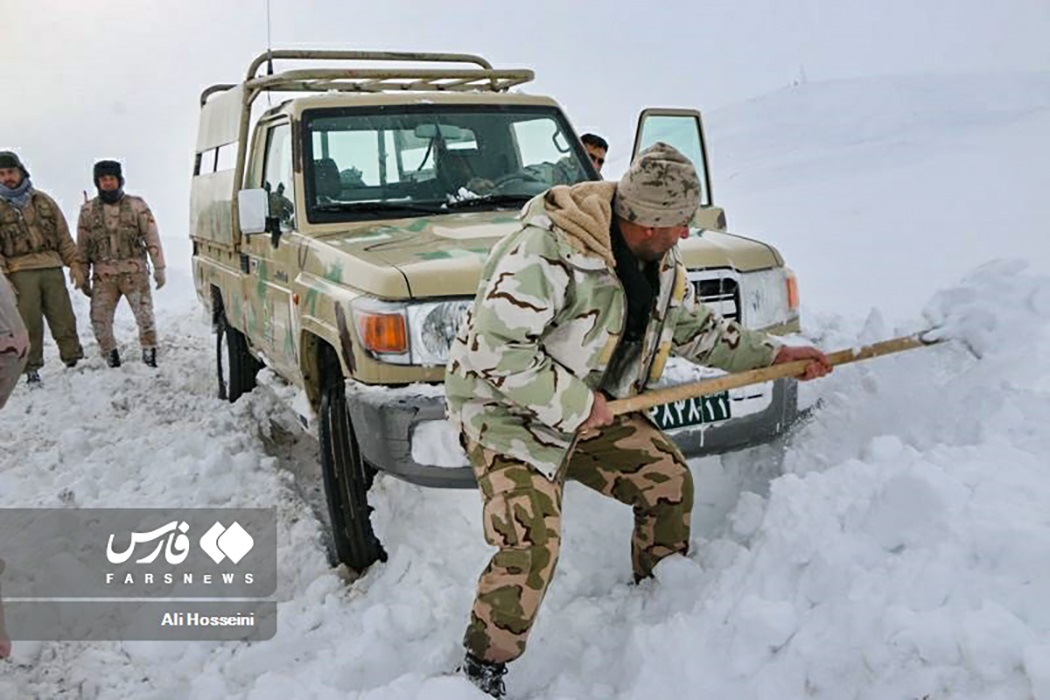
387	422
745	430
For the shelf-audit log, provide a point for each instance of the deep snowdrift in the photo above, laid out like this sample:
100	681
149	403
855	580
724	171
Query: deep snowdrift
901	555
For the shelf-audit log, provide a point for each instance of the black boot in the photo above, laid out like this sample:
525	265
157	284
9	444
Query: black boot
33	378
486	675
149	356
113	358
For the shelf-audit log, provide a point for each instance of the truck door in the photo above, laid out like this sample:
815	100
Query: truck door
271	270
683	129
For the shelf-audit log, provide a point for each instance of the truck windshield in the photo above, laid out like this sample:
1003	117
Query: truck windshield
371	162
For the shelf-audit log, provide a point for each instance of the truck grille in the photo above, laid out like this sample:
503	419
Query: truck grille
721	294
719	290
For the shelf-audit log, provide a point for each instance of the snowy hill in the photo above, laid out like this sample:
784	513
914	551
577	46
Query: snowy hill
901	555
883	190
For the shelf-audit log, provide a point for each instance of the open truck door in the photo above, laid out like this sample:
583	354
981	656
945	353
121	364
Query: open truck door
683	129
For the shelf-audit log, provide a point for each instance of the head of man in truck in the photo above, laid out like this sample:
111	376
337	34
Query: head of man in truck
596	148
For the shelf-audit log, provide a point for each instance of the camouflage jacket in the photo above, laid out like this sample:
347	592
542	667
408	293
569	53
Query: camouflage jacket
115	238
14	340
13	335
547	317
34	237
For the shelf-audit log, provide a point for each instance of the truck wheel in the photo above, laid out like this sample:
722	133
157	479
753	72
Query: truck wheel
347	477
243	367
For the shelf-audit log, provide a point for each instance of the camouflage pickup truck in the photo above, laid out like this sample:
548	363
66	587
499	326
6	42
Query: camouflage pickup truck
339	234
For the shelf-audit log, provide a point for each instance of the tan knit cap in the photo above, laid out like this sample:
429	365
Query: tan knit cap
660	189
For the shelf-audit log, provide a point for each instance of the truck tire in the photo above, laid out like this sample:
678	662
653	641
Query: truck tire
242	366
347	477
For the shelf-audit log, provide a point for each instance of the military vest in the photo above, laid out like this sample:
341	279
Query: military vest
16	236
124	243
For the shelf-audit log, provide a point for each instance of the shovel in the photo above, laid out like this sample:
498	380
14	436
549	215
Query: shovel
765	374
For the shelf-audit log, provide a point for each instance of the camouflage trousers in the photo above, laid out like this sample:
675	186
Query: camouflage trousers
42	294
631	461
106	291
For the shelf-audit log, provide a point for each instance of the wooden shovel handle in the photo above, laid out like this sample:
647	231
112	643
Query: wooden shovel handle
765	374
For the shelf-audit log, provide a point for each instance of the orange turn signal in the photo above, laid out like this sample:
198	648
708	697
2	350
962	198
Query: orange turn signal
792	290
383	332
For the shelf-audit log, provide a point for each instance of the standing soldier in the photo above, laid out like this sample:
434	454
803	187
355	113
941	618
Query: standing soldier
34	245
114	234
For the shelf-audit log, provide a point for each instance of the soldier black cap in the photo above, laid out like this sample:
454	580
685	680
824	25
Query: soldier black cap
10	159
108	167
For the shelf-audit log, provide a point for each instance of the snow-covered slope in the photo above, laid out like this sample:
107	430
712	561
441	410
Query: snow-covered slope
902	555
882	191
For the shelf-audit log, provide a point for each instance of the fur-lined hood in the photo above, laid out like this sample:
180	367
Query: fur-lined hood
582	211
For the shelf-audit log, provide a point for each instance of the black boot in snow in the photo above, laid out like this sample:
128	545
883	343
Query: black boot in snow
149	356
486	675
113	358
33	378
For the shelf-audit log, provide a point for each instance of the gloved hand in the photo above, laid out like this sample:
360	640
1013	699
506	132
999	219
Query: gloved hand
159	277
77	275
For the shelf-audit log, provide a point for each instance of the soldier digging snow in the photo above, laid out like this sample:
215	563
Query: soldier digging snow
583	303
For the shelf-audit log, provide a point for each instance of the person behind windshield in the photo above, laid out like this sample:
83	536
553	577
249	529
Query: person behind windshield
596	148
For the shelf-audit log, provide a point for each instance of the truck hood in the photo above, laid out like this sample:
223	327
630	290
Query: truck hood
439	256
707	249
443	256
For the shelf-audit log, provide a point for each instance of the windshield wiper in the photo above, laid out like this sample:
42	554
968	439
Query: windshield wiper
515	200
382	207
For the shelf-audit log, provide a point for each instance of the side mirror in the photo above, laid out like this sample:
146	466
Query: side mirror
253	208
253	213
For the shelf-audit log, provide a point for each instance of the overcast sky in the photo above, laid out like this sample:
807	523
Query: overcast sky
120	78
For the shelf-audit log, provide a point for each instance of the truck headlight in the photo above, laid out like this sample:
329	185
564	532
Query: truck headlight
408	333
432	327
768	297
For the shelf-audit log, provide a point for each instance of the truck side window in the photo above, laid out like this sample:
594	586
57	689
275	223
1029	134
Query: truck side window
277	175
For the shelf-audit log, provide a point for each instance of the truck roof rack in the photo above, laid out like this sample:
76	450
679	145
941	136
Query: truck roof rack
385	79
226	108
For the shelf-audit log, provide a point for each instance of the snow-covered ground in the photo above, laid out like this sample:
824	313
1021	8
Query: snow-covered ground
902	554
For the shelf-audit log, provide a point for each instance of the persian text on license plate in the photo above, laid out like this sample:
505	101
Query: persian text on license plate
702	409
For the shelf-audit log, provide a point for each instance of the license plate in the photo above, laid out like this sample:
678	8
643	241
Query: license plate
695	411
